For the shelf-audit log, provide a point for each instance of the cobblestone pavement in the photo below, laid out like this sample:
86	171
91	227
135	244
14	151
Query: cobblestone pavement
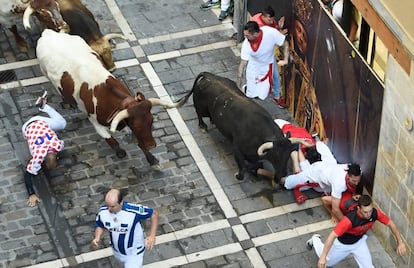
207	217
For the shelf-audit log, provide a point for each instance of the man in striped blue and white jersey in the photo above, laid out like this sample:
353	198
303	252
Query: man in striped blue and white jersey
123	221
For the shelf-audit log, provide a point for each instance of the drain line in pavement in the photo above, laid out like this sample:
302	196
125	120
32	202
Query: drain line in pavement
56	224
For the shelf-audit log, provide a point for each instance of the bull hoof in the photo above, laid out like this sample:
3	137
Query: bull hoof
156	167
275	185
238	176
120	153
66	105
23	48
153	161
203	128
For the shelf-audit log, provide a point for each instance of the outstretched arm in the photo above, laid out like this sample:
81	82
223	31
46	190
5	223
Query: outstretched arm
241	72
150	240
285	54
98	233
328	244
336	211
401	249
33	198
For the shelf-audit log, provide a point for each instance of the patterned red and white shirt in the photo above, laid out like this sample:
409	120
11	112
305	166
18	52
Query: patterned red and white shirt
41	140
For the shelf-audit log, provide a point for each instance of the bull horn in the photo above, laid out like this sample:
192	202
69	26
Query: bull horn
118	118
265	146
65	28
167	104
301	141
114	35
26	17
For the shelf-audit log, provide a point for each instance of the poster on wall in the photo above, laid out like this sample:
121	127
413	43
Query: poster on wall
330	90
328	87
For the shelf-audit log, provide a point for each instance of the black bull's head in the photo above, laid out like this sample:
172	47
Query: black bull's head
278	153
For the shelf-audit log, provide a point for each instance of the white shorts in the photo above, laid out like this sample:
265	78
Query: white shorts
130	261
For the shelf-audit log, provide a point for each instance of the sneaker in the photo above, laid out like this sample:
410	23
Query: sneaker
223	15
275	100
41	101
309	243
210	4
280	101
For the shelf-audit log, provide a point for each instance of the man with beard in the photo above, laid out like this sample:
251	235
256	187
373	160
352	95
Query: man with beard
257	58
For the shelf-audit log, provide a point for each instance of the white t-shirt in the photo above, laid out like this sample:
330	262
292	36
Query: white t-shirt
258	62
127	236
39	131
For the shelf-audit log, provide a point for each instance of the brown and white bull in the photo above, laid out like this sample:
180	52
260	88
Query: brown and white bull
47	11
82	22
82	80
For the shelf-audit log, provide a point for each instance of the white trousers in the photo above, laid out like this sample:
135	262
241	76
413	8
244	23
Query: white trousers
55	120
340	251
130	261
224	4
337	10
301	178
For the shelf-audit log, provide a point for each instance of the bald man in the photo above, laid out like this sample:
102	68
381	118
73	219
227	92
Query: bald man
123	221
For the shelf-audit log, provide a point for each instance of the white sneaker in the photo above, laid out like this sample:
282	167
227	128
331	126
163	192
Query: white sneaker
309	243
41	101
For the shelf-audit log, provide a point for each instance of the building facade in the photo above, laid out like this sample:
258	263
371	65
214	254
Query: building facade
394	177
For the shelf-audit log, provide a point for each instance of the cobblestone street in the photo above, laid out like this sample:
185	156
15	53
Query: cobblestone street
208	218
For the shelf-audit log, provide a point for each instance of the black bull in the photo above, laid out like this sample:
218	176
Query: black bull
242	121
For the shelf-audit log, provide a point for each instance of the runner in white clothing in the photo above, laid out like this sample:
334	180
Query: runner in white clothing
349	236
258	54
331	178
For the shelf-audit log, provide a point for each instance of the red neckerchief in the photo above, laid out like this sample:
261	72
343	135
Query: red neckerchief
269	75
256	43
349	186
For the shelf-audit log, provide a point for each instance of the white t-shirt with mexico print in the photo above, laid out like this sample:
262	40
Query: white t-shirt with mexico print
126	233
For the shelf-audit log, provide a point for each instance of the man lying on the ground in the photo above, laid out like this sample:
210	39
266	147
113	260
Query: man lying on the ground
299	161
327	178
290	130
44	144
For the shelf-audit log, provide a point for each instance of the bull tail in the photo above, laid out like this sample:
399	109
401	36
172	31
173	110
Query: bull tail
197	80
180	102
167	104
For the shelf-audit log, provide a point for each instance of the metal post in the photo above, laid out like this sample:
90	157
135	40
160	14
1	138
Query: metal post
240	17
